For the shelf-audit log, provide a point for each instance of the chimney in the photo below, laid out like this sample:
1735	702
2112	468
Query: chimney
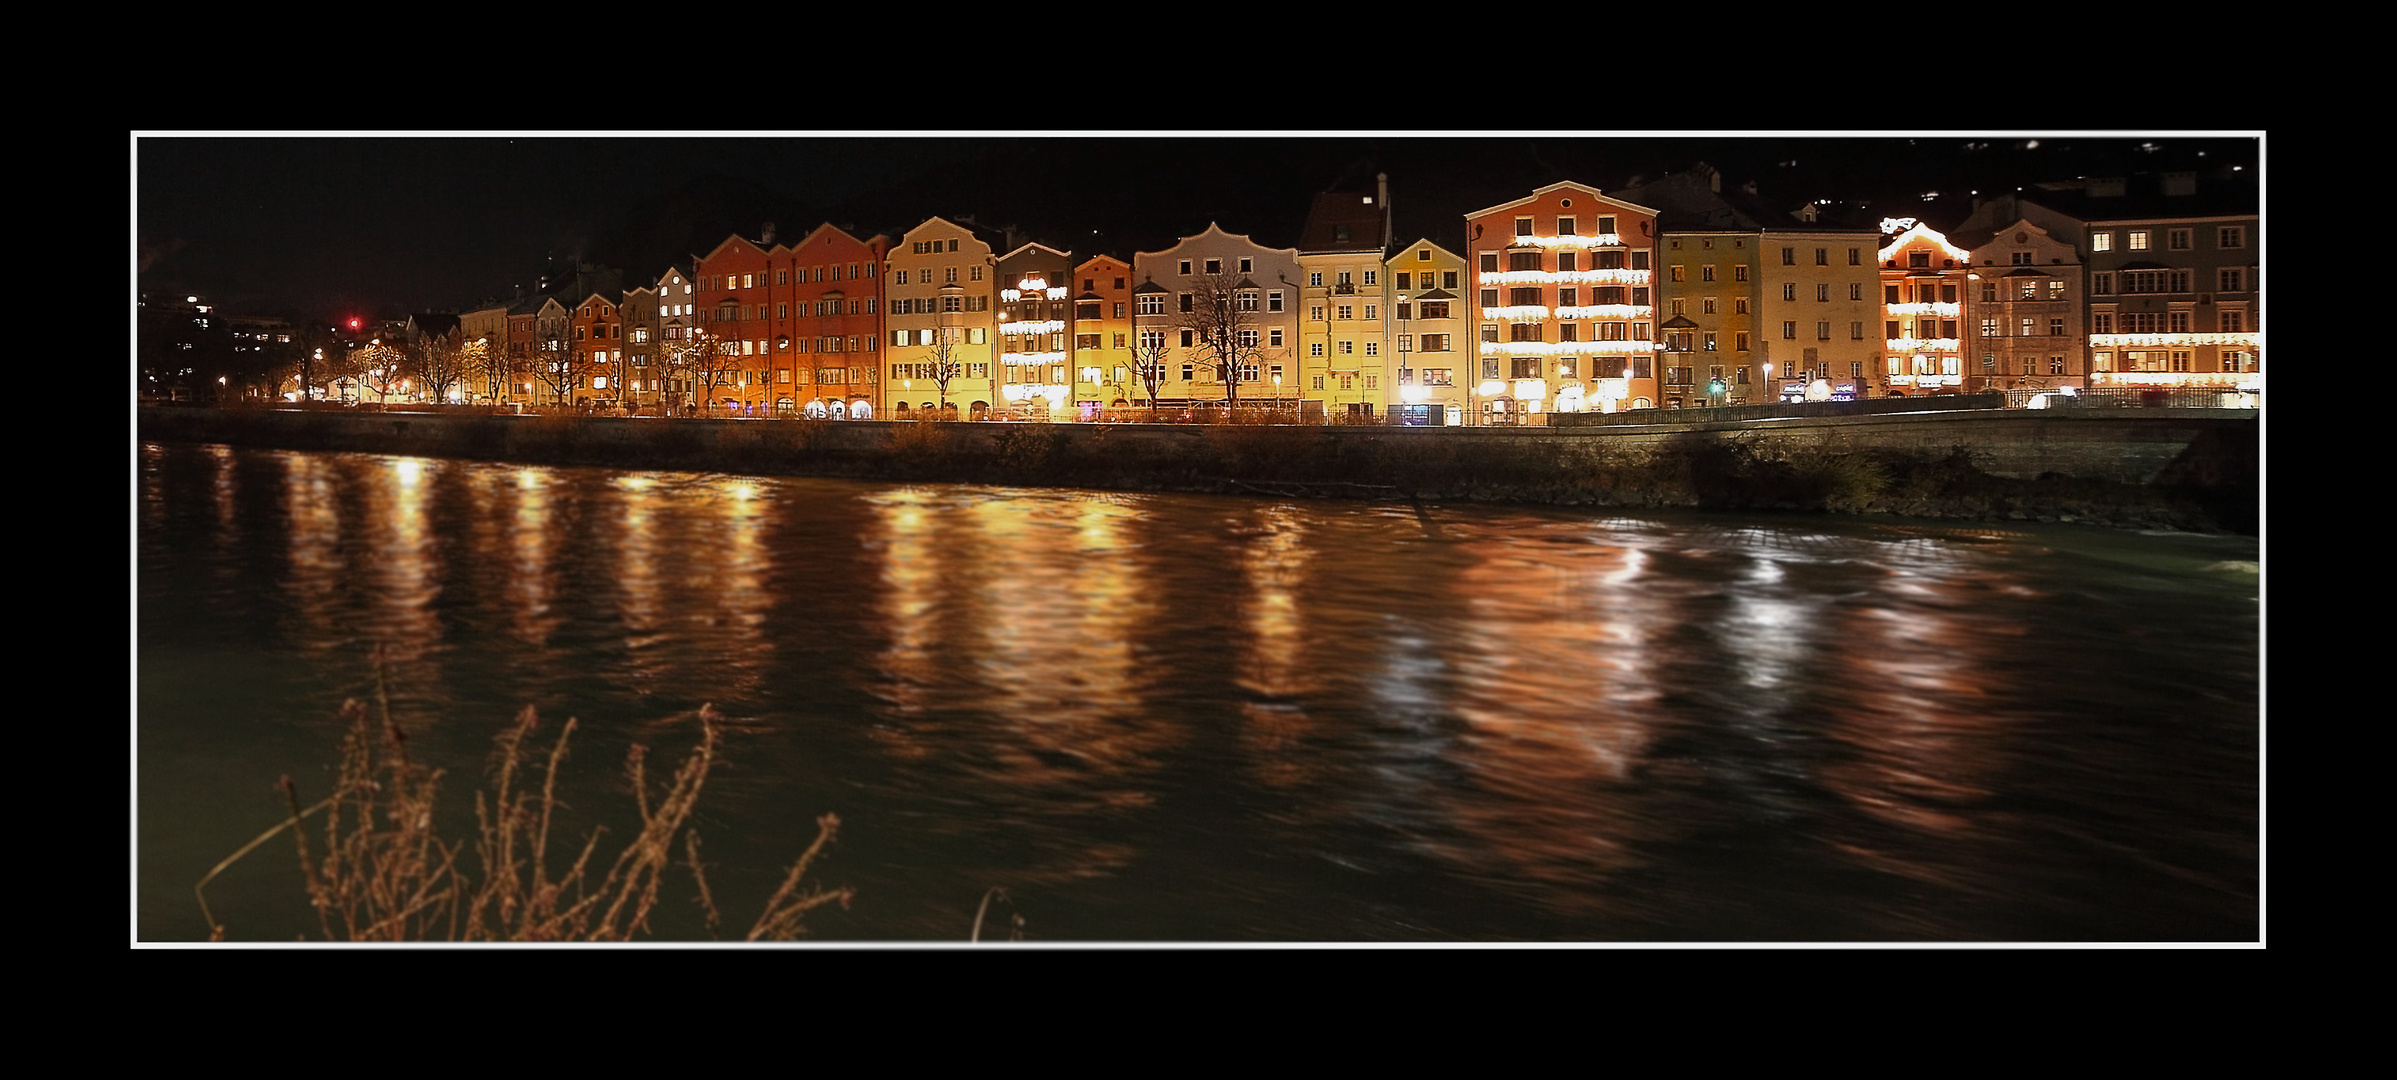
765	237
1381	183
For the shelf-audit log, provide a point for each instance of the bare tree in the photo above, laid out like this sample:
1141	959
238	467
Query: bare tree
1222	322
1148	358
943	366
710	363
379	365
562	367
484	362
440	364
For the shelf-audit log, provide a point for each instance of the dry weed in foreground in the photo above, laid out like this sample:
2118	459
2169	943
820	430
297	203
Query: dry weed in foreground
386	876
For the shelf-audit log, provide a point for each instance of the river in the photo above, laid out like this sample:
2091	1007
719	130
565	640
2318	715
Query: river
1195	718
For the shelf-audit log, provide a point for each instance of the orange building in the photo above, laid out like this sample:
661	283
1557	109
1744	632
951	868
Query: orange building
1563	305
598	351
734	292
826	323
1924	281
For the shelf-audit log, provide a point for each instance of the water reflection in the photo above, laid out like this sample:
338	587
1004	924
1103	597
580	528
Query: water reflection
1167	716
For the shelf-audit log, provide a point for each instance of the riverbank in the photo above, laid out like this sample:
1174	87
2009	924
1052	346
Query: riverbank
2189	469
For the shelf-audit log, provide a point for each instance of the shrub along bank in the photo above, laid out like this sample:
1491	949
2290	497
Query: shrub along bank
2183	472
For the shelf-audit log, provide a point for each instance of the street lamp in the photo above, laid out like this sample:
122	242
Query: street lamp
1277	397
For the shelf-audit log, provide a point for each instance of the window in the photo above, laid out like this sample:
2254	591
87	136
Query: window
1185	267
1215	266
1740	272
1680	273
1789	291
2055	290
1274	337
1707	272
2101	283
1789	331
1435	343
1710	341
1856	331
2103	241
2230	236
1369	312
1523	226
2136	239
1739	305
1565	226
1822	294
1989	328
1822	331
1248	265
1855	256
2231	279
2176	239
1739	341
2234	322
1789	256
1606	225
1369	279
1822	256
1152	304
1273	300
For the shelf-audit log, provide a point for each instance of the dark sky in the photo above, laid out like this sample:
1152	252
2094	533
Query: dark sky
387	224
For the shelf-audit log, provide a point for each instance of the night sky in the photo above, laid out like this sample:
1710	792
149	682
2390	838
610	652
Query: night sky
387	224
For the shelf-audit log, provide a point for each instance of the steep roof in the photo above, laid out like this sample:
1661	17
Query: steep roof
1344	221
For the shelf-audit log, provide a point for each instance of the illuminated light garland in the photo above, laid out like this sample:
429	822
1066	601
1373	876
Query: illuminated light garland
1606	311
1035	358
2105	341
1011	295
1533	389
1928	233
1055	392
1600	240
1529	313
1926	380
1565	277
1057	293
1907	344
1048	327
2242	380
1927	308
1566	348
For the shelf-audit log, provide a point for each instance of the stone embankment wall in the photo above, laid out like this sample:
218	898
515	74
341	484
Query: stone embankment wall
2177	468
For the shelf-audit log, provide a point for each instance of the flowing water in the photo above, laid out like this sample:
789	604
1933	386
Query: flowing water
1195	718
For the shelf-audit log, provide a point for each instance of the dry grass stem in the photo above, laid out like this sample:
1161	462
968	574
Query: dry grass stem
386	875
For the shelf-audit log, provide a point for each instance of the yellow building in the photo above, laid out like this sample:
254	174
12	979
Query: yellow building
938	290
1103	364
1345	306
1431	336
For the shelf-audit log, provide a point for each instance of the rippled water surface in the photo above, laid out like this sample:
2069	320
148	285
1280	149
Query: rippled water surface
1172	717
